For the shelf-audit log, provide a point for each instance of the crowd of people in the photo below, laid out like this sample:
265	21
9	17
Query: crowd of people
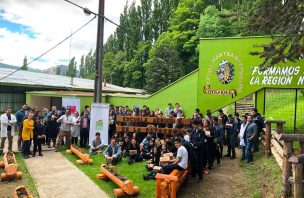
199	145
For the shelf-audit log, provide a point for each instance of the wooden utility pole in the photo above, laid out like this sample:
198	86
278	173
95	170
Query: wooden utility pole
99	54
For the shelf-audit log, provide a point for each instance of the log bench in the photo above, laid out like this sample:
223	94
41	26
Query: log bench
10	166
168	185
84	158
126	186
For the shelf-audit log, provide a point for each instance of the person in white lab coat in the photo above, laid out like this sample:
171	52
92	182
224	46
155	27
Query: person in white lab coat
8	123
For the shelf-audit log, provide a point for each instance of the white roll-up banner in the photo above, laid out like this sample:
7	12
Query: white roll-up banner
99	121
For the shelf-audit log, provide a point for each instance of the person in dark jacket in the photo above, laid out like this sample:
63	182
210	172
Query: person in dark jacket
218	139
257	119
209	146
20	115
84	129
249	135
197	141
38	135
52	126
134	157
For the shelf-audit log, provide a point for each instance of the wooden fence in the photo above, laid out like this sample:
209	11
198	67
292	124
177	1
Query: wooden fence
290	159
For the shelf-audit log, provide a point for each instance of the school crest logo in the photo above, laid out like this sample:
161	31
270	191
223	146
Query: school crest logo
225	72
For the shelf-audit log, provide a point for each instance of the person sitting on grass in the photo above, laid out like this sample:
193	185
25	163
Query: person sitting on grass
181	160
125	147
38	135
113	152
134	152
153	167
96	145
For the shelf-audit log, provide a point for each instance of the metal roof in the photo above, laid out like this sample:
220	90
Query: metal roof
27	78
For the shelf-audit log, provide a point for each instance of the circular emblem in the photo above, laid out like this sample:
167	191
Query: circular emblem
225	72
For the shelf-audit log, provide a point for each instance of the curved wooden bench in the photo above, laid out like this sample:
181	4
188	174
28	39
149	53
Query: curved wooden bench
126	185
84	158
10	166
168	185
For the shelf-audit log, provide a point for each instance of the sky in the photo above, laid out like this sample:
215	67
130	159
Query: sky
30	27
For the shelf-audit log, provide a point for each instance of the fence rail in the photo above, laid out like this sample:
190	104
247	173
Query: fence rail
290	159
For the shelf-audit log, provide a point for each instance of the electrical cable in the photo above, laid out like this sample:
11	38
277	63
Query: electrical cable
49	49
88	11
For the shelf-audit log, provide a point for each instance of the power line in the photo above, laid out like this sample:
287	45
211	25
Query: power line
88	11
49	49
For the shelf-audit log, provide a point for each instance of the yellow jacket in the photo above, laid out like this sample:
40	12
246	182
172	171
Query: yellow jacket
27	130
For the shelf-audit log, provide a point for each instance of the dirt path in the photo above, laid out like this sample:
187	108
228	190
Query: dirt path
226	181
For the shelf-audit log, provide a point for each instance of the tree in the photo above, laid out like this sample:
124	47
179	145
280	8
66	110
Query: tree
212	24
284	22
24	65
82	69
71	68
164	65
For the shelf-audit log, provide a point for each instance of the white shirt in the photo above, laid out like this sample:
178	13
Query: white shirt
242	132
182	154
66	122
5	122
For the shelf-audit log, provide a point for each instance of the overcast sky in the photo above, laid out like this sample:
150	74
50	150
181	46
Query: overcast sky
30	27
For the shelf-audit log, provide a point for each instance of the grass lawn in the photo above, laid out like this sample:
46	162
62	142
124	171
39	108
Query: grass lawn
133	172
264	176
7	187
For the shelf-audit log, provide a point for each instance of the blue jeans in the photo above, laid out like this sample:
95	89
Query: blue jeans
249	144
243	152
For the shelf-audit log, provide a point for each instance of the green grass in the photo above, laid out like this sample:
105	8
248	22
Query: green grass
280	105
7	187
264	175
133	172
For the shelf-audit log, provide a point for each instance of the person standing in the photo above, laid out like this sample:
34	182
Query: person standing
75	128
20	117
27	135
219	139
84	129
257	119
249	134
229	134
242	138
52	126
65	130
197	141
8	122
38	135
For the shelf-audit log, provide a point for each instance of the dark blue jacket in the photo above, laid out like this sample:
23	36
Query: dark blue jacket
219	132
20	116
197	138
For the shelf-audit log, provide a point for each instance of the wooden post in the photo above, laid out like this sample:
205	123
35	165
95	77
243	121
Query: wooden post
280	127
287	153
267	140
297	169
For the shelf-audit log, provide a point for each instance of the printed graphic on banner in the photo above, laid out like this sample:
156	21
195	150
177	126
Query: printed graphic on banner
71	103
99	121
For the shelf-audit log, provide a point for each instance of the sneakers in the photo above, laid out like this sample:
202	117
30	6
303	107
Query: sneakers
56	150
40	154
34	154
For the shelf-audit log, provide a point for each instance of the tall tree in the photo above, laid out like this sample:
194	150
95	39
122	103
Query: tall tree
71	68
164	65
279	18
82	69
24	64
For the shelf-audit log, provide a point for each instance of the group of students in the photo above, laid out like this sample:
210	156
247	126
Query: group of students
203	141
201	145
43	127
